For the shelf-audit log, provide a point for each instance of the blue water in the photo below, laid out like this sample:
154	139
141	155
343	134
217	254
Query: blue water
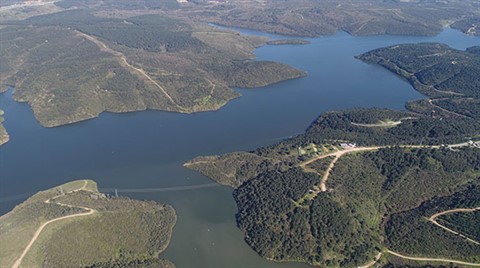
147	149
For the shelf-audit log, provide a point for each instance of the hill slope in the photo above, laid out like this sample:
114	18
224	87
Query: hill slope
73	225
72	65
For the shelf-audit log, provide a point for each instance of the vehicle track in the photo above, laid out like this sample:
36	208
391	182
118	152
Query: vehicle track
433	220
123	61
432	259
89	211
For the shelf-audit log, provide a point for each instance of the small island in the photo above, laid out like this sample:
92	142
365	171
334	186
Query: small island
74	225
4	137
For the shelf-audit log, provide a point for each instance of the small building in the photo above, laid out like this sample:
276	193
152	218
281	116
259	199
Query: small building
348	145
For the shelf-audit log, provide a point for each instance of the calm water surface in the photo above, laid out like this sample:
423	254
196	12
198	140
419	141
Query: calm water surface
146	150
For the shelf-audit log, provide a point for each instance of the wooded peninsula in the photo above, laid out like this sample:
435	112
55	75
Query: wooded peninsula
363	186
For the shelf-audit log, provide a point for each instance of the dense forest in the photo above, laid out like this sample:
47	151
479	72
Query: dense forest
149	32
434	69
463	222
410	233
446	75
374	196
413	129
468	107
279	229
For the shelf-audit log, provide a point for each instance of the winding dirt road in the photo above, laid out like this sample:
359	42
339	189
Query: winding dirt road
379	255
432	259
370	264
323	188
89	211
431	102
338	154
433	217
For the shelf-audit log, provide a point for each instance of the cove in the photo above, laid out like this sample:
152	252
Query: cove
146	150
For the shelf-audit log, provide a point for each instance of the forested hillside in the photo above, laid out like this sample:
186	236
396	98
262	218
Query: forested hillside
72	65
446	75
374	196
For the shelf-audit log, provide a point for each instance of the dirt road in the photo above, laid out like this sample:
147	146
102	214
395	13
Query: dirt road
337	155
432	259
89	211
433	220
123	61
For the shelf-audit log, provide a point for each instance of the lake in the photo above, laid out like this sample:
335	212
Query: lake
141	154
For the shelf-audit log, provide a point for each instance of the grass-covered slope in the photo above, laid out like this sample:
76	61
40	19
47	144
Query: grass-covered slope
116	232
